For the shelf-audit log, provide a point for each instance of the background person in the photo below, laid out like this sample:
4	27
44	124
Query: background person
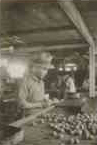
70	88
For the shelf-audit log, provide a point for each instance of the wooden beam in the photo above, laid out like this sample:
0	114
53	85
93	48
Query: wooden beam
44	38
43	48
58	42
92	74
70	9
32	117
29	118
50	43
39	30
32	1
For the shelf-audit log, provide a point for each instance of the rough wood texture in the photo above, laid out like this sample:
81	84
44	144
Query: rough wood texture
25	52
92	73
25	120
72	12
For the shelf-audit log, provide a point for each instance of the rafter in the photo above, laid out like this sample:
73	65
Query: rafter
22	51
70	9
39	30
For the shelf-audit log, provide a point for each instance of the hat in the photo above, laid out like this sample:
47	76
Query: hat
42	59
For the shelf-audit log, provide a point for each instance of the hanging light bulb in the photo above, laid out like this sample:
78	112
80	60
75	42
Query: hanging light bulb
67	69
75	68
60	69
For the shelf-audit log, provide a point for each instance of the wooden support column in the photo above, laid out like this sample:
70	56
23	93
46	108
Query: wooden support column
92	72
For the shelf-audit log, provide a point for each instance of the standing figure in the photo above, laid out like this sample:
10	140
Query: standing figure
32	93
70	88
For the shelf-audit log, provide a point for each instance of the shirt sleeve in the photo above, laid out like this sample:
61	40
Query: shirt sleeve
23	91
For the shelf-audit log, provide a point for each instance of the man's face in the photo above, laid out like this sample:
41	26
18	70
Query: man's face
40	71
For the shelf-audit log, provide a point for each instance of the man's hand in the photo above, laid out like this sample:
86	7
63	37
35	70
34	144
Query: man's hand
55	101
27	105
37	105
46	103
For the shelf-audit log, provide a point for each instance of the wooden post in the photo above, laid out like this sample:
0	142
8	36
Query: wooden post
92	72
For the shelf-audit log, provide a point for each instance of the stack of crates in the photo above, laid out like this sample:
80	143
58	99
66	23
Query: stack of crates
10	109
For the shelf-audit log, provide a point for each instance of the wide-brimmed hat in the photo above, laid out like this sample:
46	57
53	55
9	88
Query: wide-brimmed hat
42	59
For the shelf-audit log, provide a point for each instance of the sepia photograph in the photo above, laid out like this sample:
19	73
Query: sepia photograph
48	72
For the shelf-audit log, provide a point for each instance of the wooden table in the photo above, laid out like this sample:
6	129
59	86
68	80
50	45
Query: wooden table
40	134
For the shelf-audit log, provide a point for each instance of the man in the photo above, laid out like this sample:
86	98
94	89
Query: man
32	92
70	88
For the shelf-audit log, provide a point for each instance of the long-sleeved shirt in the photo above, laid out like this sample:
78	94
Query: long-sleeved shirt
31	89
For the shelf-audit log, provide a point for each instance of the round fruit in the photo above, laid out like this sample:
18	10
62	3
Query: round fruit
72	132
80	132
50	119
91	137
55	134
94	131
62	130
77	141
61	136
72	140
42	121
87	134
51	125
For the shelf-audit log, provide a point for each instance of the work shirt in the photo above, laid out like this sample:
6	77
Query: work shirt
85	85
70	85
32	89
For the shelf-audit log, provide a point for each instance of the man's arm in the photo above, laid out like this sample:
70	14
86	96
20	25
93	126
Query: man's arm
23	93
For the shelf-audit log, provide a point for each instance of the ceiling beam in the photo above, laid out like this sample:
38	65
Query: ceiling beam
42	39
39	30
28	50
34	1
47	43
70	9
58	42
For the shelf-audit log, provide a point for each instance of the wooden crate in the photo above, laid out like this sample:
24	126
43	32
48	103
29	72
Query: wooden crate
10	135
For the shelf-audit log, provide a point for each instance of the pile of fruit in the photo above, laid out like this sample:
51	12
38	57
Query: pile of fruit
72	129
